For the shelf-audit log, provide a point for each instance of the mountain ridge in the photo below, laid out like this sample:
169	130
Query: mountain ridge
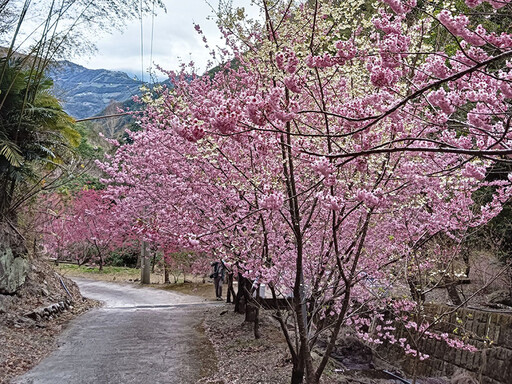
86	92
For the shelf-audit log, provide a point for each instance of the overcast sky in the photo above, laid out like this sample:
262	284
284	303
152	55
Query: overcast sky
174	38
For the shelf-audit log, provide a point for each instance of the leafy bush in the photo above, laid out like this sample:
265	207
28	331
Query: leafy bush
123	258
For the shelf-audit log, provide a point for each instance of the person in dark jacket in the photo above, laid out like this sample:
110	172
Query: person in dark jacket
218	278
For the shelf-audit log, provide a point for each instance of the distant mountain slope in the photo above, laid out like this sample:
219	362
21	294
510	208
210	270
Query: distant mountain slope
86	92
114	127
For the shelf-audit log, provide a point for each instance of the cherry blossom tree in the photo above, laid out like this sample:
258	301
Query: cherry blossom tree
84	228
339	143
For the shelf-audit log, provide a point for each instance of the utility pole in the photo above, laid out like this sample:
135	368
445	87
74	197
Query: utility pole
145	264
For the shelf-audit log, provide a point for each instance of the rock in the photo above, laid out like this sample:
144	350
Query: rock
45	292
353	353
32	315
463	378
26	320
13	271
500	297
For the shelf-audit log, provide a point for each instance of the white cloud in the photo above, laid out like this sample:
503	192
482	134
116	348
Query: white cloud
174	38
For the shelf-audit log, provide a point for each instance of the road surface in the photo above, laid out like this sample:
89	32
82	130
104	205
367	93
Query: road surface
140	335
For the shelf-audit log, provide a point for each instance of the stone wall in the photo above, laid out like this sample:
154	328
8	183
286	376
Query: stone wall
490	332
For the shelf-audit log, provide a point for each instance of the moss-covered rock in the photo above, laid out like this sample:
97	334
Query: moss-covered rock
13	271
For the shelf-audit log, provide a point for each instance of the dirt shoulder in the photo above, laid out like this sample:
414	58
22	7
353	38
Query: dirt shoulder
24	340
241	358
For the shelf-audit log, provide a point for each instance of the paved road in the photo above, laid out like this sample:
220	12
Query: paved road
141	335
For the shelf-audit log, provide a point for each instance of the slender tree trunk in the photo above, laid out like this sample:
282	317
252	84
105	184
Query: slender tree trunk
250	312
240	303
257	334
139	259
166	273
231	290
416	292
6	194
145	275
298	371
153	262
451	287
250	305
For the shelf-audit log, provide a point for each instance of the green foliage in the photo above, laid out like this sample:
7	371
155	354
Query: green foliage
496	235
11	152
125	138
492	20
234	64
89	149
123	258
35	132
83	181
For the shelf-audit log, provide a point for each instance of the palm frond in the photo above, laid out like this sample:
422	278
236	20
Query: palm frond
11	152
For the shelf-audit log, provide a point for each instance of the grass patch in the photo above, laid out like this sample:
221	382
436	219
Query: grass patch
191	288
107	270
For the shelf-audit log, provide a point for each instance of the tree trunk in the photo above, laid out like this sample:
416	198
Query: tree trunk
257	334
250	305
417	294
452	293
6	194
139	260
166	273
153	262
250	312
298	372
231	290
240	303
145	271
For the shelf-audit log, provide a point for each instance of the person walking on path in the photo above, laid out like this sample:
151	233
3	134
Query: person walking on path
218	278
